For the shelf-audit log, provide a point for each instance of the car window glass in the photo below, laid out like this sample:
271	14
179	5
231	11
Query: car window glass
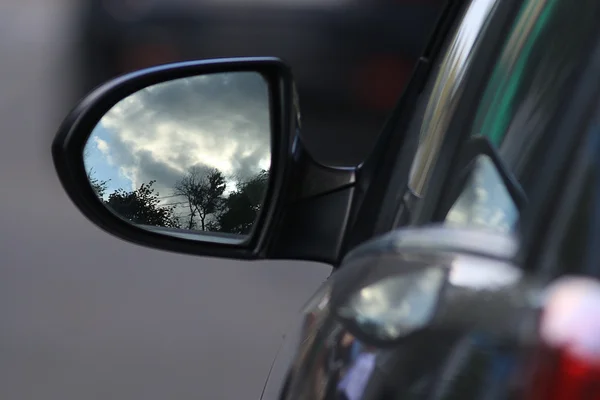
446	92
572	246
484	201
532	78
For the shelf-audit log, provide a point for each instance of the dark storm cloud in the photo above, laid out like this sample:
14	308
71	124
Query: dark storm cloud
240	99
219	120
243	92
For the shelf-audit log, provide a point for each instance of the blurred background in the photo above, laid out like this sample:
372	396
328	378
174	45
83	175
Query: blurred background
351	58
85	315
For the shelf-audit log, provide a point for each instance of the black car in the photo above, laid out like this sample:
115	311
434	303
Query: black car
463	247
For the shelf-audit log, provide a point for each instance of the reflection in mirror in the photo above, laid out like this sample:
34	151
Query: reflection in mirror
485	201
187	158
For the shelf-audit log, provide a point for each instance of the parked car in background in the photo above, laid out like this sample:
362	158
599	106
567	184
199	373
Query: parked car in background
351	59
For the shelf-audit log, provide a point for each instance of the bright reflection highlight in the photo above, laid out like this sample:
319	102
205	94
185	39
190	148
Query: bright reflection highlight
398	305
479	273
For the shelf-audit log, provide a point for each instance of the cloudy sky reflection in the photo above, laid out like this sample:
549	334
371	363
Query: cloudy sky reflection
219	121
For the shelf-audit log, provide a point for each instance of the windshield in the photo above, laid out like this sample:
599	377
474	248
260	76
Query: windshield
532	79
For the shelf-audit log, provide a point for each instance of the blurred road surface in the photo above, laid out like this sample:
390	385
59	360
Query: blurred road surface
87	316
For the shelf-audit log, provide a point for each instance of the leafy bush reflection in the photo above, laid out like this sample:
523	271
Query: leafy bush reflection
204	204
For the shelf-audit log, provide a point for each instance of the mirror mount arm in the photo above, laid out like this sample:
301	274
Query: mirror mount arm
311	178
318	202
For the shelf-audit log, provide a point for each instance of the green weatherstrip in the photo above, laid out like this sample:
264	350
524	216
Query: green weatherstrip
499	97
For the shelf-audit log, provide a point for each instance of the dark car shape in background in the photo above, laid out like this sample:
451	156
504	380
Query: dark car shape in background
351	59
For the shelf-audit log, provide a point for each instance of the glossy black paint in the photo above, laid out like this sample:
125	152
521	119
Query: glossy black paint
297	185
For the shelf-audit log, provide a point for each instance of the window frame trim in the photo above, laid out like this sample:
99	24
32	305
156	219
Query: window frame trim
489	49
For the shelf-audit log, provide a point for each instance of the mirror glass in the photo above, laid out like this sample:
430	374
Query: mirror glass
188	157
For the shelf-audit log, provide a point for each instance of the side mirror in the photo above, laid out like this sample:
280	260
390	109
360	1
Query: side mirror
197	157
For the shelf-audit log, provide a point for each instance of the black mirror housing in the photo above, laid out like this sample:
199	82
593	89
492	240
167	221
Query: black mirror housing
306	207
68	149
